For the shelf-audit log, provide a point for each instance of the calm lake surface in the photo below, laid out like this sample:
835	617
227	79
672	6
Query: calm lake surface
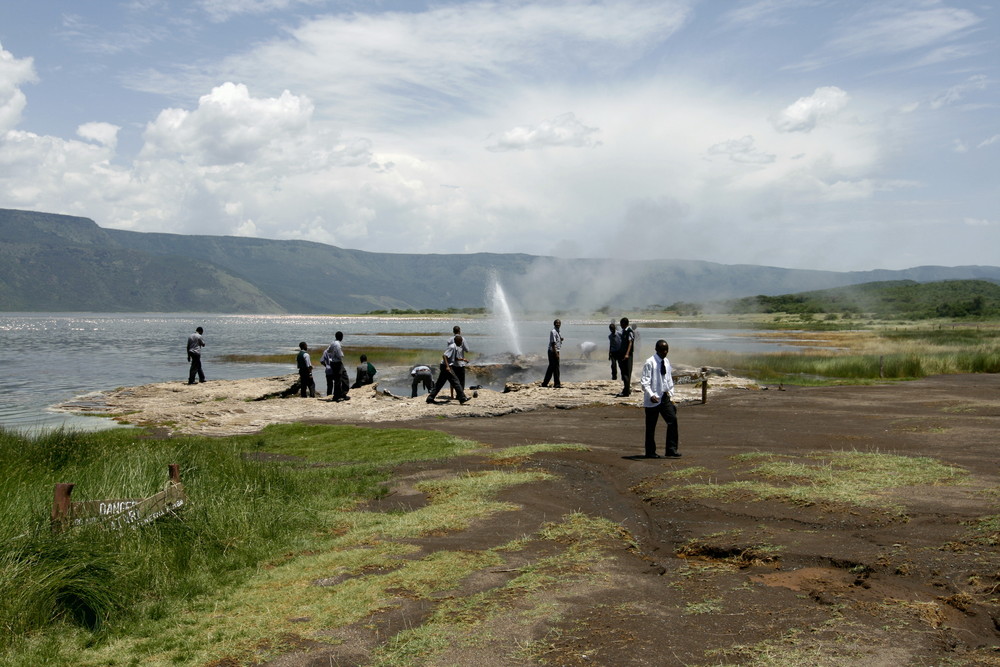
50	358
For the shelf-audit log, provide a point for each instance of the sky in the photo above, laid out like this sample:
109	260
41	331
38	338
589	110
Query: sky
818	134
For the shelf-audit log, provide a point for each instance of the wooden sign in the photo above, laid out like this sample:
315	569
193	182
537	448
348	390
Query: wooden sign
120	512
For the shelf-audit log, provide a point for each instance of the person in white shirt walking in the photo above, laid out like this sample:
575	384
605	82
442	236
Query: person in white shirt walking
657	390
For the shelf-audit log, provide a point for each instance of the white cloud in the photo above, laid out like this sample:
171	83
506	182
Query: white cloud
979	222
958	92
742	150
563	130
449	61
989	142
103	133
14	72
229	126
223	10
897	27
806	113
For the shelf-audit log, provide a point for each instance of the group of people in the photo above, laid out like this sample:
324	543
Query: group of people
451	370
337	380
656	380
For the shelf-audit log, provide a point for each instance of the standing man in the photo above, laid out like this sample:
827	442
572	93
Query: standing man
614	343
452	355
336	358
657	389
555	344
327	361
194	345
625	357
305	366
459	368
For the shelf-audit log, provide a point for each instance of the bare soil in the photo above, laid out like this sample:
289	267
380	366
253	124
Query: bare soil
716	582
848	586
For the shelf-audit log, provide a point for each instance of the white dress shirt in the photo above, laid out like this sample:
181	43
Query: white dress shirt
655	383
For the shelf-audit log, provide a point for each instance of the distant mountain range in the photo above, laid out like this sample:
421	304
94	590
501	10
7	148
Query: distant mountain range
51	262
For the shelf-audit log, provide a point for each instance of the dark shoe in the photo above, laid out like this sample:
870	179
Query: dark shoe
622	395
545	385
652	456
672	456
430	399
557	386
463	401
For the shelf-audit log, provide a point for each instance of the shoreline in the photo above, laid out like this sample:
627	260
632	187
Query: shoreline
231	407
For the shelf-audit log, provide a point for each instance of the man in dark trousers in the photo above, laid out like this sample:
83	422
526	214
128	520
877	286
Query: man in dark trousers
555	345
614	344
657	391
335	353
452	356
194	345
625	357
306	382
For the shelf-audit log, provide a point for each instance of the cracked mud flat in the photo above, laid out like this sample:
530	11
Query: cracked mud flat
708	582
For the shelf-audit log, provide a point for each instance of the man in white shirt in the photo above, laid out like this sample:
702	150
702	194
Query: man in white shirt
657	389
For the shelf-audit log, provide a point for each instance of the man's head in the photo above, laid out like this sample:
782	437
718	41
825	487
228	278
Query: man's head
364	357
458	339
303	346
339	335
624	322
557	324
456	329
612	327
662	348
200	330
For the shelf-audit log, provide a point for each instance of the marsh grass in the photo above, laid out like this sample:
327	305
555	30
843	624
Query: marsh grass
903	352
831	478
90	584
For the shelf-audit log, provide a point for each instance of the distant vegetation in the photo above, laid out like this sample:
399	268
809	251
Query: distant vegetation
429	311
901	299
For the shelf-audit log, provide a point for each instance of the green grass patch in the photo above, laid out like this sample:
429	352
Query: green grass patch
341	444
822	478
92	588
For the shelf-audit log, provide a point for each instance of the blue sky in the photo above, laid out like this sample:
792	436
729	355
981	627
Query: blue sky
798	133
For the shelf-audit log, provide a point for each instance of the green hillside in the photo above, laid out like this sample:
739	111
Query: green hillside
899	298
52	262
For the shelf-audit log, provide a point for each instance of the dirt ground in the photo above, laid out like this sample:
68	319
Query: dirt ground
848	585
725	581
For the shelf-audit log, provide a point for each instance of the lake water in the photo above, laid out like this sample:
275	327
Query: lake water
50	358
